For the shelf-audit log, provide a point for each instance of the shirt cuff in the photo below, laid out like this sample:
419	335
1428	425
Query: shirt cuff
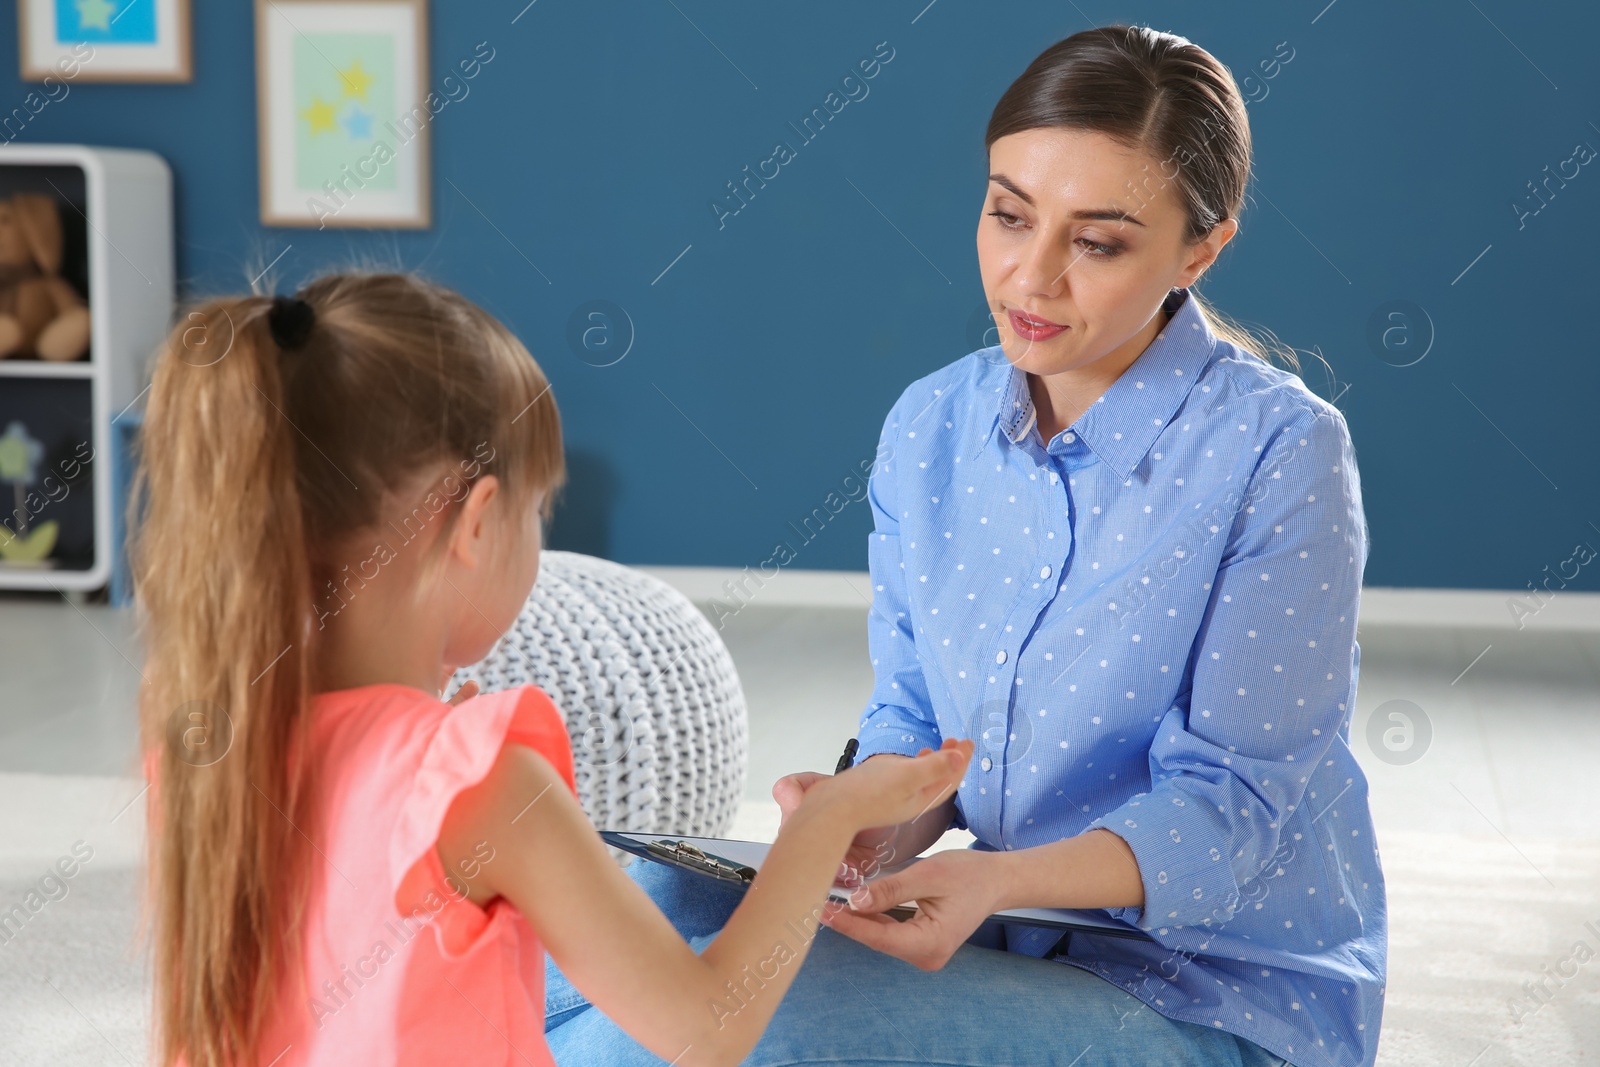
1186	881
888	728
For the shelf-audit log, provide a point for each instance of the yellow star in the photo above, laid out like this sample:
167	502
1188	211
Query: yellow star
95	14
320	115
356	80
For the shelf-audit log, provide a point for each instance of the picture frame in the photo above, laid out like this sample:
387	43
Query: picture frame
343	122
105	40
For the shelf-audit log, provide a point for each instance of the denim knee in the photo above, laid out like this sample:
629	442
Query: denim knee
696	906
694	903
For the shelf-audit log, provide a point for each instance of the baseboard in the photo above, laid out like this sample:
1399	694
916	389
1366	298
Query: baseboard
786	589
729	589
1481	609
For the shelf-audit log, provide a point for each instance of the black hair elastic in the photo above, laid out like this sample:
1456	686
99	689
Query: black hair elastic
290	320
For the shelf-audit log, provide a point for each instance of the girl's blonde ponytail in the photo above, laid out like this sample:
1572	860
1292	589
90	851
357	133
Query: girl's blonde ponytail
224	583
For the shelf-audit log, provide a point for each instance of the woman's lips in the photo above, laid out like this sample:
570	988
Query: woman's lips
1033	329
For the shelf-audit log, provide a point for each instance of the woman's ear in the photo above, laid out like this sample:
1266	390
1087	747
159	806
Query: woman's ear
1204	252
469	538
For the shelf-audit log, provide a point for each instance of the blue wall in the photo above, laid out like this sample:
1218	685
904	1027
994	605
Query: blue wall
1396	140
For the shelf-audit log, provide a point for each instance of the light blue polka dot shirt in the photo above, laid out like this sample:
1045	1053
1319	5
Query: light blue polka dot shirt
1148	625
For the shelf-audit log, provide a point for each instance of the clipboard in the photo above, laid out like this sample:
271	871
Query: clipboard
736	862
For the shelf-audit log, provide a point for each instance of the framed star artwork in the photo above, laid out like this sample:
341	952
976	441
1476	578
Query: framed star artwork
104	40
344	113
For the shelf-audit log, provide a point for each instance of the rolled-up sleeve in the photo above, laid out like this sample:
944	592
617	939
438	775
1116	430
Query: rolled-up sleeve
1274	674
899	717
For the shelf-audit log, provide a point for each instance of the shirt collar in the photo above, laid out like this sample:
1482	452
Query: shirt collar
1122	425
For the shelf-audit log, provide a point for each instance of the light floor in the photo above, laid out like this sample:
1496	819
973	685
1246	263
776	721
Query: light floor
1491	841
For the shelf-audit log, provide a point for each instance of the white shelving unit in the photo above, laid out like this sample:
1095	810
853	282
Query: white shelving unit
123	202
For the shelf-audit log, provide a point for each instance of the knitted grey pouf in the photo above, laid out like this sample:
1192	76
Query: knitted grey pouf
657	719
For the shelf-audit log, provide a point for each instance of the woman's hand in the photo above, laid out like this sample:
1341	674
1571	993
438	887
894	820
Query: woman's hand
955	891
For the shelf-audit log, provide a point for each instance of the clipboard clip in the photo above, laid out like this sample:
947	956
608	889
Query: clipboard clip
686	855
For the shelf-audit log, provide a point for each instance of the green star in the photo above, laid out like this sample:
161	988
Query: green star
95	14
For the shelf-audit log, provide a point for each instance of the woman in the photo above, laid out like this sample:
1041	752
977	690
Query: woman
1123	552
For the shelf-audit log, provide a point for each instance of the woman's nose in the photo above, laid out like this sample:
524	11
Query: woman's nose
1043	267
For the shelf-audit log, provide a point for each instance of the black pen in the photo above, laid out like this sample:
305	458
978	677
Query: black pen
847	760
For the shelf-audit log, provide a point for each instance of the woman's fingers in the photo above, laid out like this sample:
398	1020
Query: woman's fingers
925	940
466	692
926	879
951	903
884	893
912	940
865	928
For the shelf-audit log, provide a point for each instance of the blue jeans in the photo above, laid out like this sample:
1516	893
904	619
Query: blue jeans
850	1004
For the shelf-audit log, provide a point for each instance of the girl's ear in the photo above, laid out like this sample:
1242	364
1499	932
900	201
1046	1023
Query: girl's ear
469	537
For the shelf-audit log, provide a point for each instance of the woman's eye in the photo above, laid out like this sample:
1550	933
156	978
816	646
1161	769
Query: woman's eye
1098	249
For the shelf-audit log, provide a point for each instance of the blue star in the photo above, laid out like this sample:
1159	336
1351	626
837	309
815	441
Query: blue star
358	124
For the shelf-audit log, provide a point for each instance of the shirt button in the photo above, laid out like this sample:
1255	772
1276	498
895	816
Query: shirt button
1000	657
986	763
1044	572
1069	437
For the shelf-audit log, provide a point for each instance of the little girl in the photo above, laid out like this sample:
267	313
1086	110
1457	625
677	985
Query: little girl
342	495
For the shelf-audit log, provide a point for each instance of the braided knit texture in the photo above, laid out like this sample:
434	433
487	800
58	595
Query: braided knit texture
657	718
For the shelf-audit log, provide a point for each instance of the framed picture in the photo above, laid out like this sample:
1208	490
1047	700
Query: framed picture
105	40
343	113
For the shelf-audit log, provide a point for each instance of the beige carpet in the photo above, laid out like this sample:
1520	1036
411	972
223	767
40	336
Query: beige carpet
1471	919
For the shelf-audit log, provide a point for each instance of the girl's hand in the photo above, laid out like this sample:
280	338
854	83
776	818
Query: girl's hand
955	891
880	793
872	848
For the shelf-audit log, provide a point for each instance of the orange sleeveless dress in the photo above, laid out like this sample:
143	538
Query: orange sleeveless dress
396	967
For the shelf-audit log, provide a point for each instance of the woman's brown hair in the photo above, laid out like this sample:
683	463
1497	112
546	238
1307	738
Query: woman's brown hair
1160	94
257	460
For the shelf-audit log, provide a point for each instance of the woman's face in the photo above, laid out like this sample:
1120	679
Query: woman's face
1082	237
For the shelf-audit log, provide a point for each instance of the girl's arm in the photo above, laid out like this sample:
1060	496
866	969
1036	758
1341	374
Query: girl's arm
613	943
